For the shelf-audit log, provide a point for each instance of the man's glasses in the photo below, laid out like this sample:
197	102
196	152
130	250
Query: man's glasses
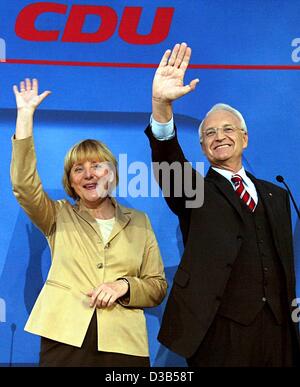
227	130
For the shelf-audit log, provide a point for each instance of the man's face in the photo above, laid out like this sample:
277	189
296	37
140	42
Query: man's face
223	148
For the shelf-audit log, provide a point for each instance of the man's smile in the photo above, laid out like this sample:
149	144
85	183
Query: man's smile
222	146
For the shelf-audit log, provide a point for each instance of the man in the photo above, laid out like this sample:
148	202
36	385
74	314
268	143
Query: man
230	303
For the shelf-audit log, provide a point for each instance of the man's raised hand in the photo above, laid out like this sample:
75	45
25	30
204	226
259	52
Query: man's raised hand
168	82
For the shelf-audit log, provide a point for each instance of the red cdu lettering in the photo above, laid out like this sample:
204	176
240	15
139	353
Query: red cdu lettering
160	28
25	23
108	19
73	31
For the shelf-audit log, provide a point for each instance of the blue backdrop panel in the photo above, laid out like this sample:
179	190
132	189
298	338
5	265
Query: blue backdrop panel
103	90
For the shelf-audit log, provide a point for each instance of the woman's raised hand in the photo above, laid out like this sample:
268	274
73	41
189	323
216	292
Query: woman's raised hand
27	95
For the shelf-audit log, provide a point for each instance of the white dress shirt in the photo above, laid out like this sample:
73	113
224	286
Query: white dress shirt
162	131
106	226
250	187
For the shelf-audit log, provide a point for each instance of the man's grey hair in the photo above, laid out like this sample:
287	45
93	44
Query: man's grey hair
228	108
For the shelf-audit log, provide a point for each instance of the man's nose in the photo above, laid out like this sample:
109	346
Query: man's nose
220	134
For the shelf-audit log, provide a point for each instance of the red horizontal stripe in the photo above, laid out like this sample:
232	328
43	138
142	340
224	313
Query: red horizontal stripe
244	67
76	63
148	65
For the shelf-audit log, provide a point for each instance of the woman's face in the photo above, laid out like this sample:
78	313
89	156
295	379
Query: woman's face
91	179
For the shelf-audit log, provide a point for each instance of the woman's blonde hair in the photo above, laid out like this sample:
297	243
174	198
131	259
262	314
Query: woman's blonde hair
87	150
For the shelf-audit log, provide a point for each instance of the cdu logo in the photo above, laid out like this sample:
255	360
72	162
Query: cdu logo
78	17
2	50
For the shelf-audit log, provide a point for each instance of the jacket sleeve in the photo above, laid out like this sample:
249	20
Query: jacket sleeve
149	289
27	186
289	239
178	181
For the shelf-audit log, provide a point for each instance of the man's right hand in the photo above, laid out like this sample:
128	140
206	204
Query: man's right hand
168	82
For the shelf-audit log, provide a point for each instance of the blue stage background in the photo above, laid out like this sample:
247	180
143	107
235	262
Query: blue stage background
109	98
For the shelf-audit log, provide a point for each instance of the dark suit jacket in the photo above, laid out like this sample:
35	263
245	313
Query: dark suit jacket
213	235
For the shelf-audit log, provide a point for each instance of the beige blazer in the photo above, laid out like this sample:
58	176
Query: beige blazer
81	261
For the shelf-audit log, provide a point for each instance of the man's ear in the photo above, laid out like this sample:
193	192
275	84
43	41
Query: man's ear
245	140
203	147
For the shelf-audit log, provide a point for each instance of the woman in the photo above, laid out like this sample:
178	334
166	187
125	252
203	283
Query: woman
106	265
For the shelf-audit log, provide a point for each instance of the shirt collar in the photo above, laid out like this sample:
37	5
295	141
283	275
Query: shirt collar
228	174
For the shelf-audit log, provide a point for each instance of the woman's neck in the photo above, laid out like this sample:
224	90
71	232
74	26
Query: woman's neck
101	210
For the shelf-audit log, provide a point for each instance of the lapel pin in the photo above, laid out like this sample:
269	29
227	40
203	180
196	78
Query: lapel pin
270	194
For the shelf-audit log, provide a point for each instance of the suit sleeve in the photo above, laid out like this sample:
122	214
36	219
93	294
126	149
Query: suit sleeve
289	233
288	207
150	287
178	181
27	186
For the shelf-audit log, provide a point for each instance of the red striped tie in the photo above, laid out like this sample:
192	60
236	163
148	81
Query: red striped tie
242	193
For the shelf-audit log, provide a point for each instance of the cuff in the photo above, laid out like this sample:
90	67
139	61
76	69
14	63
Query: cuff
162	131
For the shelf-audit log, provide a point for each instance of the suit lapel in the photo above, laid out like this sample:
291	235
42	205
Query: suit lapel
85	215
122	219
264	194
268	201
227	190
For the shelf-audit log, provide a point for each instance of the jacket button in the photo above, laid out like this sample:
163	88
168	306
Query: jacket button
218	298
264	299
100	265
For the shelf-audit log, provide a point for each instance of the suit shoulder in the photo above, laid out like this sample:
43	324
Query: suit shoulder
139	218
273	187
66	204
133	212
